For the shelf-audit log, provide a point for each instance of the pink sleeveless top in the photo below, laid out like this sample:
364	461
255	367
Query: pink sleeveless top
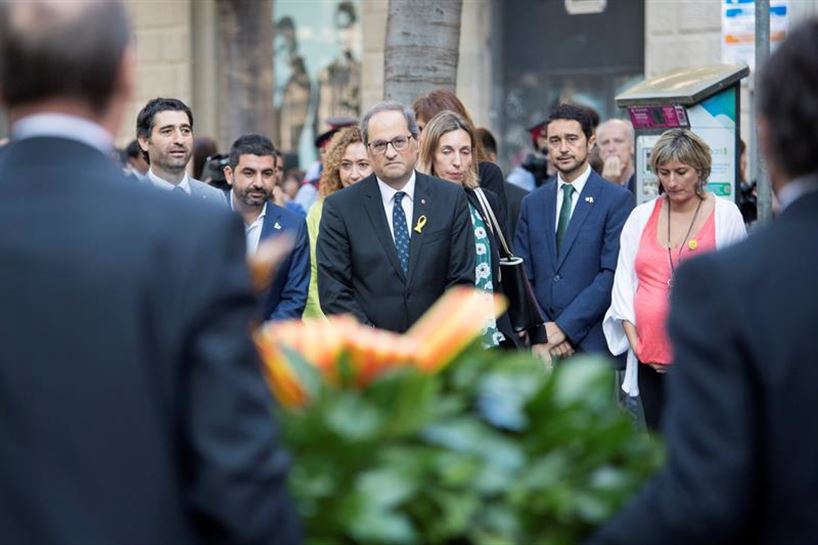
652	267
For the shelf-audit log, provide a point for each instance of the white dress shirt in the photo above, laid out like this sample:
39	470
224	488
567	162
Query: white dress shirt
796	189
66	126
252	232
578	184
161	183
388	196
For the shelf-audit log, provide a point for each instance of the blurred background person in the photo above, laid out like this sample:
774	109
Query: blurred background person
615	140
134	160
489	174
448	151
535	168
308	192
682	222
203	148
345	163
514	194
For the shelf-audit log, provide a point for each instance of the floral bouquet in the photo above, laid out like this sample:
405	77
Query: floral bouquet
426	438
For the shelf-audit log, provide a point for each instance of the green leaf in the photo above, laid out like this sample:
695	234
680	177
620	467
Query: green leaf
386	486
353	418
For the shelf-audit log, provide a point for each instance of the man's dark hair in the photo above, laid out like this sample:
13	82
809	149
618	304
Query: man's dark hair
791	110
67	50
251	144
487	140
132	150
572	112
146	116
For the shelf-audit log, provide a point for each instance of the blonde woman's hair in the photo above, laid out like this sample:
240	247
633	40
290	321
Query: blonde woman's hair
330	181
686	147
446	122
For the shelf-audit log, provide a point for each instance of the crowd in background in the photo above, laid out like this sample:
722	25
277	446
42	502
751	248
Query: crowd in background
133	406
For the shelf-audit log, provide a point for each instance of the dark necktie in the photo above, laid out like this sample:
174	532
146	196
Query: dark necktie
401	232
565	214
178	191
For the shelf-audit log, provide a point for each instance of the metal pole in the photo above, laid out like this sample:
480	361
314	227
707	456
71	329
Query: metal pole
762	53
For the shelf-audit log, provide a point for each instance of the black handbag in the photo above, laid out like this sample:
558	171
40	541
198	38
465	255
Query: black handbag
523	309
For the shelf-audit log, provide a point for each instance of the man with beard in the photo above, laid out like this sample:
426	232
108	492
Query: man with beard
164	129
568	235
251	174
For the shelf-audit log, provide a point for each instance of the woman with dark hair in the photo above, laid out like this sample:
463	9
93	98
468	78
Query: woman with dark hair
429	105
448	151
345	163
682	222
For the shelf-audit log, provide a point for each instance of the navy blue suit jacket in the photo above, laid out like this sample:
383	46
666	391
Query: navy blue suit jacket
287	295
574	288
133	409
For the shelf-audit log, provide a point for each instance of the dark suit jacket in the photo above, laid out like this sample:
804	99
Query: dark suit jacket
514	195
358	268
287	296
574	288
492	179
740	426
132	407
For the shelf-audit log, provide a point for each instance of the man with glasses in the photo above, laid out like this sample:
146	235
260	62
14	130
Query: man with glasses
391	244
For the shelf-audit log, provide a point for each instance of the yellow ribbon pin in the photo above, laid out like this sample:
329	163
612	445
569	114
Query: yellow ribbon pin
420	224
692	245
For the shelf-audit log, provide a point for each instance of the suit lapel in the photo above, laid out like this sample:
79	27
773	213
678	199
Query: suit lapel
420	207
585	203
551	222
373	203
272	222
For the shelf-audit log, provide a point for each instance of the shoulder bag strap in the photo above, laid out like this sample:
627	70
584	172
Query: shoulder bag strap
493	219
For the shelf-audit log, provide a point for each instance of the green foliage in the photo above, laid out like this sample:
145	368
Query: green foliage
492	451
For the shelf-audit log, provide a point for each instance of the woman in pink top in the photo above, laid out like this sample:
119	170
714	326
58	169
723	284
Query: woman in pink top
684	221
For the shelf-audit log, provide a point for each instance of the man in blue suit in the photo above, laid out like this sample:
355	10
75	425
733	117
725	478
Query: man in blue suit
568	234
251	175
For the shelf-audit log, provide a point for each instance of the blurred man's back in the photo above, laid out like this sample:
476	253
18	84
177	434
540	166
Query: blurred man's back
132	409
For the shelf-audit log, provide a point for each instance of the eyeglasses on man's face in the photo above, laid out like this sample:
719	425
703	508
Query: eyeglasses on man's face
399	143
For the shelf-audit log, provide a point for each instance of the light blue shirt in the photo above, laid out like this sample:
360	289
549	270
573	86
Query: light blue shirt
66	126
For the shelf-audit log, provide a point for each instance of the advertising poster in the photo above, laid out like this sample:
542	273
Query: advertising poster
317	49
715	121
738	29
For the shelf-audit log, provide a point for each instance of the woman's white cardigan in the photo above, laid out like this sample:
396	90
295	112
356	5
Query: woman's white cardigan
729	229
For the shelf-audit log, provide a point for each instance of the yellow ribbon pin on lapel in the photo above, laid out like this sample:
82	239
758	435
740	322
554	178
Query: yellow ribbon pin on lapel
420	224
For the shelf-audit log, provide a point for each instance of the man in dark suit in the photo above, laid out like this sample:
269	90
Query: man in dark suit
568	234
132	405
741	433
391	244
251	174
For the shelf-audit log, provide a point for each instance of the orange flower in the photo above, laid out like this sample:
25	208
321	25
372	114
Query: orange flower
280	376
453	322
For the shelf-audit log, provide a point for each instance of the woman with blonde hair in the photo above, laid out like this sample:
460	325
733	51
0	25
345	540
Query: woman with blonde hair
448	152
682	222
345	163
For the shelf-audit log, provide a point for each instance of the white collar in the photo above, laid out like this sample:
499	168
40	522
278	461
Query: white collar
387	192
578	183
161	183
796	189
67	126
